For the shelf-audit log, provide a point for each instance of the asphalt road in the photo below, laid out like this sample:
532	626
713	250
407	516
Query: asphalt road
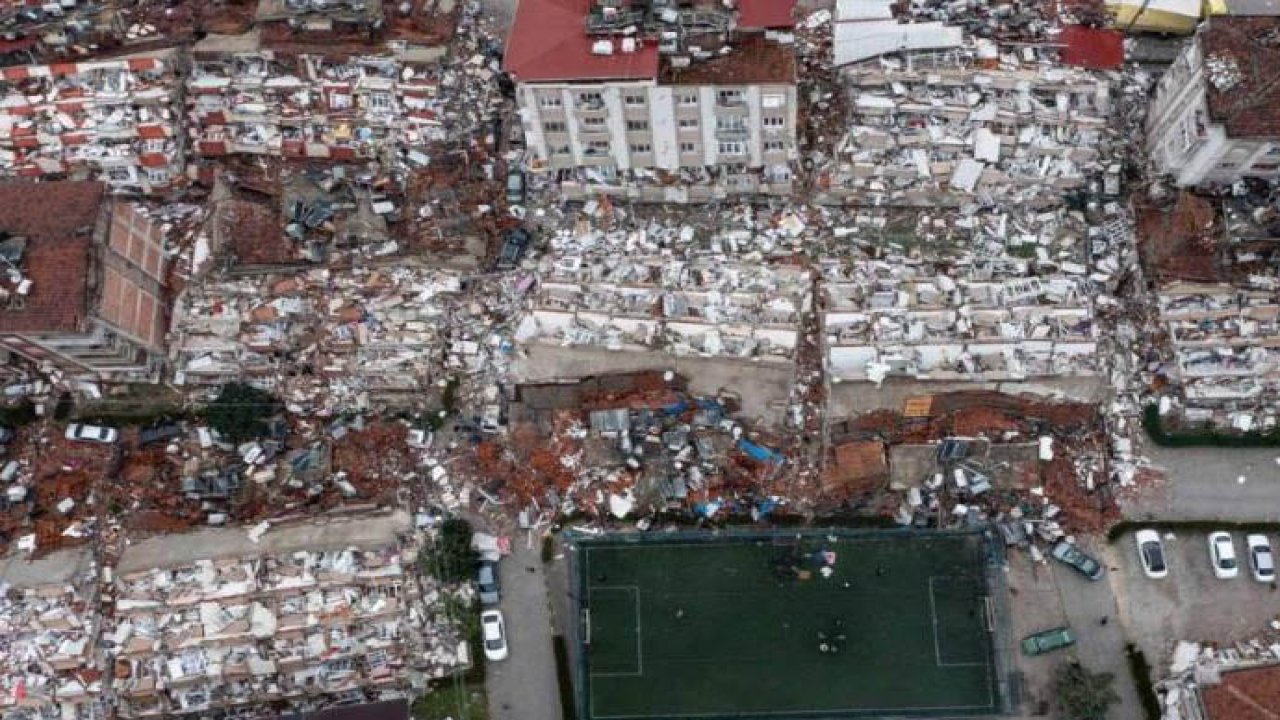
1099	647
523	687
1204	484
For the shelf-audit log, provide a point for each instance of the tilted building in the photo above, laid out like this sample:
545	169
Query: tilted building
1214	118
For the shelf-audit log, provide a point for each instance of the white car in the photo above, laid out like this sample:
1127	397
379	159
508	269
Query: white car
1261	562
494	634
1151	553
1222	553
92	433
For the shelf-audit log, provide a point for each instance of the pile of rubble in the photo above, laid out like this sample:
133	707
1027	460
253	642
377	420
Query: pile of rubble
48	651
289	629
324	340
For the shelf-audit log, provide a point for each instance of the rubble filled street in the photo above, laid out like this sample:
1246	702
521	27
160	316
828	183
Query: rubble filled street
317	313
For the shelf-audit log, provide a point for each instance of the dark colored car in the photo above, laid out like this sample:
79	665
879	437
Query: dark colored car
487	583
158	434
1072	556
515	187
514	245
6	434
1047	641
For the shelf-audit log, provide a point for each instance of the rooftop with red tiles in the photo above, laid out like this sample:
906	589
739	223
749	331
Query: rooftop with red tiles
57	219
1244	695
766	13
549	42
1245	101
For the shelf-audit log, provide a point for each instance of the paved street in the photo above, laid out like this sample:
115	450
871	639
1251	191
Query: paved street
1100	648
523	687
1204	484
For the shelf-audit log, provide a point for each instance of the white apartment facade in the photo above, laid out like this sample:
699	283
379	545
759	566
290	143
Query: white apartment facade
1214	118
702	91
614	126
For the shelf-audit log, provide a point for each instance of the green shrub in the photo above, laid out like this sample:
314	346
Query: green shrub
1203	436
450	558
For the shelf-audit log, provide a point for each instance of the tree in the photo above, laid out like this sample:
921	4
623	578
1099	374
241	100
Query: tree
240	412
451	558
1082	695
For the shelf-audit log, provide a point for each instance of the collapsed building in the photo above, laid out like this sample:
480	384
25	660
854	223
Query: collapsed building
1212	119
366	331
988	322
107	120
949	119
682	308
86	287
242	99
299	630
49	651
697	98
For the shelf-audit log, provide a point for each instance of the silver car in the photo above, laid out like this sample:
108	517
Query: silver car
92	433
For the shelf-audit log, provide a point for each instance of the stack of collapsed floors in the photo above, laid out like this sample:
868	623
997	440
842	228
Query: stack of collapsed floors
296	629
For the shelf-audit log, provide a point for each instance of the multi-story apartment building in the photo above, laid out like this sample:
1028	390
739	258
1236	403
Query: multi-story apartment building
1214	118
646	87
86	292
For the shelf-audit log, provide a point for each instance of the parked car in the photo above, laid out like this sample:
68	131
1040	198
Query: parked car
1222	553
1151	553
514	244
92	433
515	187
487	583
1047	641
1074	557
1261	561
494	632
6	434
158	434
419	438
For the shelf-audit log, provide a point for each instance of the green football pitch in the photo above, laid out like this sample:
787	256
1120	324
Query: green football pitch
731	627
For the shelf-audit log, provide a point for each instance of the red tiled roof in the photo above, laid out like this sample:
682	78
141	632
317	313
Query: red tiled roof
1250	106
766	13
549	42
152	132
57	218
1244	695
1093	48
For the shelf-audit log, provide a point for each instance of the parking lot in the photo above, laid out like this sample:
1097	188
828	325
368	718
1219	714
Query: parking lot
1191	603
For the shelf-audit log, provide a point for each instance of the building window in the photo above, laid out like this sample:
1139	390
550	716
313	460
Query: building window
729	97
593	122
732	148
562	150
158	175
154	145
772	102
637	125
688	123
339	101
551	101
598	147
553	127
774	145
686	147
633	100
122	173
773	121
688	98
731	122
380	102
1265	167
590	98
641	148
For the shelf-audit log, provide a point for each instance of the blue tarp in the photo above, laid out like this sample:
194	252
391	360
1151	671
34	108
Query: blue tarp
758	452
